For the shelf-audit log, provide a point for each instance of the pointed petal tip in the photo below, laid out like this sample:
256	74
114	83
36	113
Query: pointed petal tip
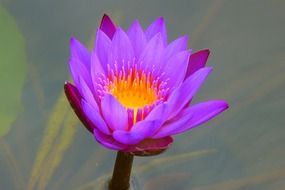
73	41
105	15
108	26
157	26
225	104
68	86
209	69
206	70
184	37
208	51
160	19
136	21
135	25
205	51
106	18
197	61
222	104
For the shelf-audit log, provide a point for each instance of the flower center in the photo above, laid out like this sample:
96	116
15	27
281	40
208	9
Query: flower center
135	89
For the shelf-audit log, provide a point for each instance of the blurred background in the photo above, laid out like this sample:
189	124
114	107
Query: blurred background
44	146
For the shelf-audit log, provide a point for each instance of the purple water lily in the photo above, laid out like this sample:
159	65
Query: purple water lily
133	89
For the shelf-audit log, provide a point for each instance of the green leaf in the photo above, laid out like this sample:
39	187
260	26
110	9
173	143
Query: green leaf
12	70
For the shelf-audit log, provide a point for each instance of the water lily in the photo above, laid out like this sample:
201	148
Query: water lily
133	90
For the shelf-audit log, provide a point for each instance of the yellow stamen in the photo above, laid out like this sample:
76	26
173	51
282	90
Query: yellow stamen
134	90
133	94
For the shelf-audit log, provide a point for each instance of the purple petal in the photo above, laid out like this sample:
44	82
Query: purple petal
95	117
176	46
122	50
107	26
74	99
183	94
75	73
102	48
158	113
114	113
80	52
141	130
146	127
158	26
87	94
108	141
175	68
194	116
97	72
96	66
169	127
78	70
197	61
137	38
205	111
152	54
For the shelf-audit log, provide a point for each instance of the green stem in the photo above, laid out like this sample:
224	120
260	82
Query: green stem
122	172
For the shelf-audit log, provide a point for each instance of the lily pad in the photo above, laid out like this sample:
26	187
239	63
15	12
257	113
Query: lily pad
12	70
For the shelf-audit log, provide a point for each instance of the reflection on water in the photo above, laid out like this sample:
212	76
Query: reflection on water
47	148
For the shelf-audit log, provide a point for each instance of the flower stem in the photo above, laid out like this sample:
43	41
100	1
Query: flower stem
122	172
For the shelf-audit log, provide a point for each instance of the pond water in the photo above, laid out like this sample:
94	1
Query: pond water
44	146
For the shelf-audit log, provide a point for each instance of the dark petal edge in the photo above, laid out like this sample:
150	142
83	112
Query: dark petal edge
74	99
197	61
107	26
